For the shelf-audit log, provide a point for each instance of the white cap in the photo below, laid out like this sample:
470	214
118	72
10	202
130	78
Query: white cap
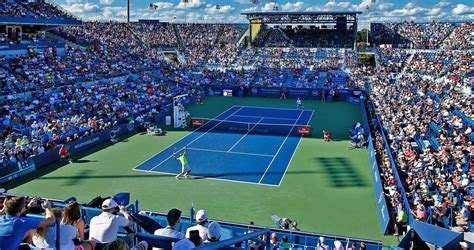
183	244
214	232
143	243
109	203
338	245
463	244
201	215
321	239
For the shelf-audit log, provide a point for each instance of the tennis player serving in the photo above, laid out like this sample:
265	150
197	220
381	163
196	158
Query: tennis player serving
185	169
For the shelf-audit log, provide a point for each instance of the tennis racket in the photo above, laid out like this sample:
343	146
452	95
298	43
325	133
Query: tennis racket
174	152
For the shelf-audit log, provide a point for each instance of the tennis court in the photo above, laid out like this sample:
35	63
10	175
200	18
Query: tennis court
242	144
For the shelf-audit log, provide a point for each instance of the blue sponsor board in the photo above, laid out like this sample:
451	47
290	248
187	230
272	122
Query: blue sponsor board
306	93
84	143
23	169
382	209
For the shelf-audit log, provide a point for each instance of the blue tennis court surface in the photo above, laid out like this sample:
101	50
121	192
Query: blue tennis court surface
242	144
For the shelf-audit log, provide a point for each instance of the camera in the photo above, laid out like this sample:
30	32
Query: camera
283	223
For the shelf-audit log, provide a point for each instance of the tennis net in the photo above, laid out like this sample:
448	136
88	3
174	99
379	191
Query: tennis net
286	129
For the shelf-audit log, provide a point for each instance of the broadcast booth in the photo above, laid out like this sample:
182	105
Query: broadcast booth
304	29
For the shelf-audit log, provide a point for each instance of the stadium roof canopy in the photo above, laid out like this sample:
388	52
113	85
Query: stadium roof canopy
302	13
302	17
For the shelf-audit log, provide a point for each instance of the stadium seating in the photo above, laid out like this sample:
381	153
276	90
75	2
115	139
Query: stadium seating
419	107
233	235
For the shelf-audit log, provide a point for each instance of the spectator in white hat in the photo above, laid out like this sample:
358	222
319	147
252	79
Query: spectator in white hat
463	245
201	220
183	244
321	245
104	227
214	233
338	245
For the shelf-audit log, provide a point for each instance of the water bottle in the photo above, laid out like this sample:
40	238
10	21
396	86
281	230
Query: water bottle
191	214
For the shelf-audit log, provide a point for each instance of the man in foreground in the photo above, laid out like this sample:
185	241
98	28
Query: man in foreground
13	227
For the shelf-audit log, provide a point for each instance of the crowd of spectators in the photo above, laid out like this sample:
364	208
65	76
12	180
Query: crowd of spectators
290	58
17	228
160	35
33	222
226	49
426	115
198	40
411	35
34	124
461	38
423	36
424	111
32	9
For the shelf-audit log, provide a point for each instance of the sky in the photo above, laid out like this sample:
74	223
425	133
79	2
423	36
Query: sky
229	11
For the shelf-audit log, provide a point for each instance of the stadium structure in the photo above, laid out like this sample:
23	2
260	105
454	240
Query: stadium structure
281	133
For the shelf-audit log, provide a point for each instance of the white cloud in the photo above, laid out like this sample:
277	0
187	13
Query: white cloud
298	6
442	4
314	8
251	9
72	1
106	2
363	5
384	6
433	12
115	13
190	5
82	8
410	5
163	5
410	9
462	9
242	1
269	6
221	10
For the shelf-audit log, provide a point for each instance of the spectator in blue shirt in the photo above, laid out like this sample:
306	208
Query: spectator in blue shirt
13	227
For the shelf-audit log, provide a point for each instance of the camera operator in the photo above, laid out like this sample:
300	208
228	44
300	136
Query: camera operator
104	227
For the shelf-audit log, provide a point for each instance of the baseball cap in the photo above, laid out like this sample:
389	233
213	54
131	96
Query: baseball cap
183	244
109	203
201	215
214	232
463	244
338	245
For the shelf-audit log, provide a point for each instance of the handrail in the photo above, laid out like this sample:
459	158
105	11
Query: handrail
155	240
233	241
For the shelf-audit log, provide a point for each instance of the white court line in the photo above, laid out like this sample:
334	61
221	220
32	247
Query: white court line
281	146
210	178
270	108
227	152
203	134
245	135
179	140
294	151
265	117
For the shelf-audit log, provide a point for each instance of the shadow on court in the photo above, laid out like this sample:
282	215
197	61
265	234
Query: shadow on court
85	175
84	161
340	172
42	171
